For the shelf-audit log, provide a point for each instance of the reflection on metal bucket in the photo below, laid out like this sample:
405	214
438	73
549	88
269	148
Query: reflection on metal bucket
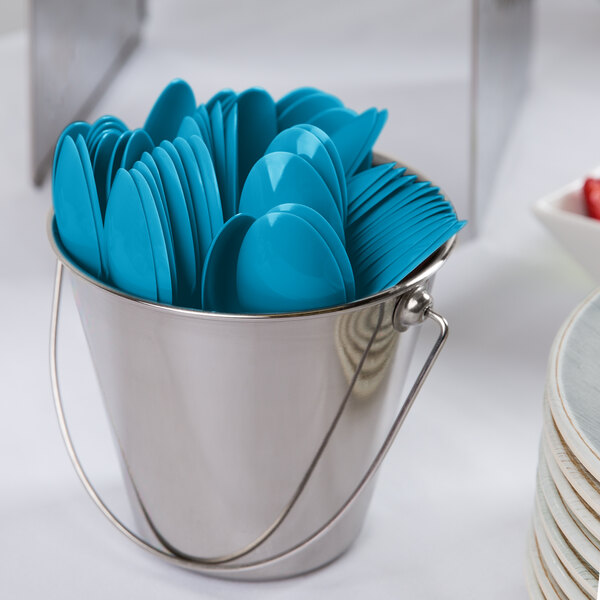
250	441
353	334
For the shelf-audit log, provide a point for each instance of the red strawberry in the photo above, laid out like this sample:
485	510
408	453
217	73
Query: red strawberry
591	192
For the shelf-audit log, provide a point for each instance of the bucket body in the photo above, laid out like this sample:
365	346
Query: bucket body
219	418
227	425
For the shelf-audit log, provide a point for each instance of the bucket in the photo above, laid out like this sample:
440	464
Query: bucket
249	443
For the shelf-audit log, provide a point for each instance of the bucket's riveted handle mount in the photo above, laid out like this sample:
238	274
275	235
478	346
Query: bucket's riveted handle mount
412	308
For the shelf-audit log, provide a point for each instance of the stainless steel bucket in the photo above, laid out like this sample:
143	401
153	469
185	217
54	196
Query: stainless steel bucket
249	442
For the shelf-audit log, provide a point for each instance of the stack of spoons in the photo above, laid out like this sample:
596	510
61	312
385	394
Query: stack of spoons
243	204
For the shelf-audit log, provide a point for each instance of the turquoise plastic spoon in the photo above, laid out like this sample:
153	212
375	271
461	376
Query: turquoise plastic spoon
152	167
101	165
158	197
291	97
99	128
385	206
441	239
361	157
350	139
333	119
387	227
364	201
219	287
114	163
257	126
306	108
231	158
334	155
198	197
284	265
361	183
298	140
202	118
385	242
403	264
88	172
93	149
283	177
73	209
219	98
189	127
102	124
227	105
386	195
183	240
218	135
138	142
209	181
174	103
128	245
406	245
187	195
157	238
331	239
72	130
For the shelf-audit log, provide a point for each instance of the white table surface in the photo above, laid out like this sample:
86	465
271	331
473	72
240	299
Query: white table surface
451	512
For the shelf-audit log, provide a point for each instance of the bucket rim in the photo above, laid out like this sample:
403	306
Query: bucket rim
420	274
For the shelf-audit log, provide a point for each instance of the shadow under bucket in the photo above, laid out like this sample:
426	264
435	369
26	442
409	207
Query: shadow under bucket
249	443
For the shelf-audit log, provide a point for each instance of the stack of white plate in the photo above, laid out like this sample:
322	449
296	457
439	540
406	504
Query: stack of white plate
564	545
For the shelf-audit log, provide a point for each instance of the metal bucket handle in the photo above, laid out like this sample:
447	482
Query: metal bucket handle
412	307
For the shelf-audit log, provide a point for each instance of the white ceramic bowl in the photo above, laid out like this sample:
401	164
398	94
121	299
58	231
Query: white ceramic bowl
563	213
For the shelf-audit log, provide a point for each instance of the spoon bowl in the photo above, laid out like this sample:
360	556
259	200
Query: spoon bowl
137	143
73	209
128	244
219	287
257	126
282	178
312	217
298	140
284	265
305	108
174	103
334	155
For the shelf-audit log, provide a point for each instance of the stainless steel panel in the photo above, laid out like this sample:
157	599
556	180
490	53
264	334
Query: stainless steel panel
76	47
502	31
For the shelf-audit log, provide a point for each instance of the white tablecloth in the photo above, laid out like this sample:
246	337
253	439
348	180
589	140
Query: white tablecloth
451	511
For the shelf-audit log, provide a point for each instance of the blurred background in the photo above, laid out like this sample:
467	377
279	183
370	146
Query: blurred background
497	101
